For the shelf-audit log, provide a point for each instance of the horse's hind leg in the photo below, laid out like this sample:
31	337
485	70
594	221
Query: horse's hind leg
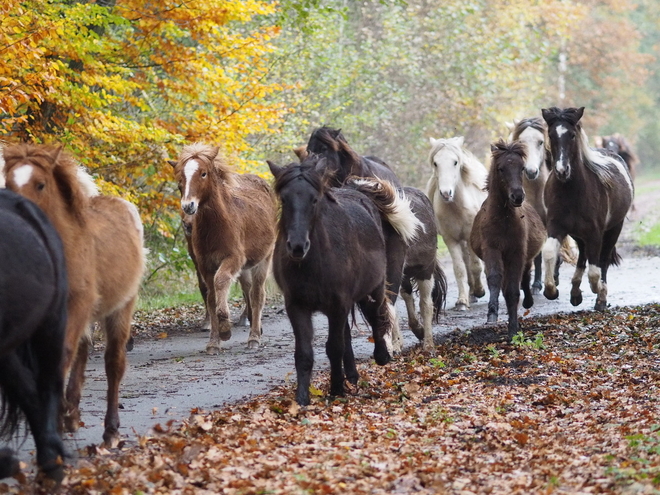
528	299
511	286
538	266
494	271
117	328
426	310
381	316
303	331
475	268
9	465
75	384
334	348
460	273
349	358
219	284
257	299
606	257
245	281
409	299
550	253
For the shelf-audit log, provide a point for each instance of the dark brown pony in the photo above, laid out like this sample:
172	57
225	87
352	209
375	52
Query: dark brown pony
587	196
616	143
330	254
233	234
507	233
33	294
421	266
102	239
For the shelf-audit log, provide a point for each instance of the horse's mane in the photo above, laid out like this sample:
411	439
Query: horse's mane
210	154
499	151
335	141
75	185
307	170
472	170
536	123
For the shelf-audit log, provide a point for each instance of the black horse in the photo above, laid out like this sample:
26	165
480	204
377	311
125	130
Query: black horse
421	266
33	295
329	255
587	197
507	233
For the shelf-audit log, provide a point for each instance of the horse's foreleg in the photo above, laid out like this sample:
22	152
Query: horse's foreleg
426	310
245	280
475	269
606	258
538	266
381	315
213	346
494	269
576	281
221	283
303	332
75	384
334	348
550	253
460	272
257	299
117	331
349	358
528	300
511	287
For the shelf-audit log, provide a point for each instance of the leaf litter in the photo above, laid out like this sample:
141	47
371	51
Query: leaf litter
571	406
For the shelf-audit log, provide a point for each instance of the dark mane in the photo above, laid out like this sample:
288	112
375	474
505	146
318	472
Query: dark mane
569	115
306	170
337	148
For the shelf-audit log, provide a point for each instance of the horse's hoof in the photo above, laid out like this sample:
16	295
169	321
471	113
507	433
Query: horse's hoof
206	324
110	438
382	357
222	315
226	335
550	294
461	307
600	306
479	293
576	300
9	465
212	350
491	319
528	303
54	471
71	420
253	344
418	331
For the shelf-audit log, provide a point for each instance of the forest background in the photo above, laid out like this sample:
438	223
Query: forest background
124	84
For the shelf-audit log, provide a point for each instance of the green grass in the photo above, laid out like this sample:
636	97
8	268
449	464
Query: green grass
651	237
442	247
149	302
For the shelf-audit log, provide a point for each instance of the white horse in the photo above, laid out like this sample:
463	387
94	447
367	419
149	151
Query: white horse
531	133
457	189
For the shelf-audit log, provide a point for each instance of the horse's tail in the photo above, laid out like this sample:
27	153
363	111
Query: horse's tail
393	204
439	293
615	258
11	414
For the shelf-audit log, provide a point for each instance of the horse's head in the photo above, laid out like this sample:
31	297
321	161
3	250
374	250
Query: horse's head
196	172
531	133
300	188
47	176
447	160
565	136
506	171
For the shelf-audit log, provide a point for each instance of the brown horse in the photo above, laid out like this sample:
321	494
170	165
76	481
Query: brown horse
233	234
102	239
507	233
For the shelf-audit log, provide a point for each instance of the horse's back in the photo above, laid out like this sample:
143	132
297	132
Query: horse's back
33	284
118	242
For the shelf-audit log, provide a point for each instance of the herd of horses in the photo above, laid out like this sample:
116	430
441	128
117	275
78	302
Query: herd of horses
338	230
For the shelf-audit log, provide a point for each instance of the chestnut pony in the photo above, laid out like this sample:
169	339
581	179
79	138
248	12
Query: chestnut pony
233	234
103	247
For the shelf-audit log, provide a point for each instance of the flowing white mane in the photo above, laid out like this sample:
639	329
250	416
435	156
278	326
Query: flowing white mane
472	170
87	182
602	164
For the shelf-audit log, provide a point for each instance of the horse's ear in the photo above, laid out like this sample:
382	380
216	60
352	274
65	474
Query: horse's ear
580	112
460	140
511	125
548	114
493	148
433	141
276	170
213	152
335	133
172	162
301	152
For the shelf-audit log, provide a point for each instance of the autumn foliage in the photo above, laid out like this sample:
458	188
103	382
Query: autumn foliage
124	86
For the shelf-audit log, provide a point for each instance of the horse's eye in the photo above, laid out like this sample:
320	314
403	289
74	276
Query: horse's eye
315	200
455	162
203	175
539	144
41	186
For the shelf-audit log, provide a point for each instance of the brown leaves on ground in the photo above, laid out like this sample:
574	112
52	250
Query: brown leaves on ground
571	407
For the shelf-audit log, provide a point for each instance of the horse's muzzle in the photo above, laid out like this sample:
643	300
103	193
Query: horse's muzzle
189	208
447	196
297	251
532	175
516	198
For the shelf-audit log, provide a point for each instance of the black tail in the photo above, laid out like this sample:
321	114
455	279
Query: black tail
439	293
615	259
11	414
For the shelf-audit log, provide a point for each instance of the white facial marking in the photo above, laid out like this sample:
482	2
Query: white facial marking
530	137
561	130
188	171
559	166
22	174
